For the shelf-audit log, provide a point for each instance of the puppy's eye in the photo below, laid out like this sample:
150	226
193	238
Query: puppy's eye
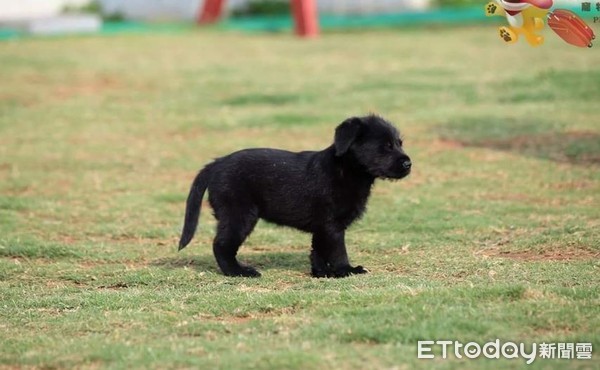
389	145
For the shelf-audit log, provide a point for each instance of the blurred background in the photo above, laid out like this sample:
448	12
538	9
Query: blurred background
48	17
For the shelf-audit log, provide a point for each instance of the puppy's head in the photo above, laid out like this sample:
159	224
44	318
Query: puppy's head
374	144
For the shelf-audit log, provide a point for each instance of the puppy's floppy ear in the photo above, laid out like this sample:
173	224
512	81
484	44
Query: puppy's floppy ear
345	134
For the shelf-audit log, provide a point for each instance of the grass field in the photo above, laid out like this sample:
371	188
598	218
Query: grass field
496	233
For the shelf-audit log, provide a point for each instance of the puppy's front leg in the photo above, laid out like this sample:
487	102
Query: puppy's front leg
329	257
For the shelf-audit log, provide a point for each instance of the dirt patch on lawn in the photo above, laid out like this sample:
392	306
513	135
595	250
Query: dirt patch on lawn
573	147
578	147
439	145
548	255
573	185
93	86
245	317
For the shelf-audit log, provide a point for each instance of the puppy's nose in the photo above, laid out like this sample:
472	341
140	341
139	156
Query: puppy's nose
407	164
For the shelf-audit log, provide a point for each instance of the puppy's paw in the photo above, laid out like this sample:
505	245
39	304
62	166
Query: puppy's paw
359	270
249	271
243	271
347	271
318	273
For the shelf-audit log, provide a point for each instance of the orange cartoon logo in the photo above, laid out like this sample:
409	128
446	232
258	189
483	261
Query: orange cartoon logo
525	17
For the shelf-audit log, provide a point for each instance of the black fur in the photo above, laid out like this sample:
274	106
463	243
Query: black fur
318	192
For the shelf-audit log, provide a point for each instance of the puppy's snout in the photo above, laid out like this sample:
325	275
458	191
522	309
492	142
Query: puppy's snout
407	164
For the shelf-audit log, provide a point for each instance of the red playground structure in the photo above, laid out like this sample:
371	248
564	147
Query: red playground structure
304	12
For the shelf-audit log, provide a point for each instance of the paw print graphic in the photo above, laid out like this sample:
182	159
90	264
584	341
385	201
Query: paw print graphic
525	17
507	35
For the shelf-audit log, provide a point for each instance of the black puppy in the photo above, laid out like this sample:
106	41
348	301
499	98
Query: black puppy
318	192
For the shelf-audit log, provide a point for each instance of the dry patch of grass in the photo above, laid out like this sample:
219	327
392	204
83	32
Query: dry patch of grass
547	255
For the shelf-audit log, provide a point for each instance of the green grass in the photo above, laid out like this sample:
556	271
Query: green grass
496	234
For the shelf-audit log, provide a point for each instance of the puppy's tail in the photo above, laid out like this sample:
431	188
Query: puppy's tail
192	209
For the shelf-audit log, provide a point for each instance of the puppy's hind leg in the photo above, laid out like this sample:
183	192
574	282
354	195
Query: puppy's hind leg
233	228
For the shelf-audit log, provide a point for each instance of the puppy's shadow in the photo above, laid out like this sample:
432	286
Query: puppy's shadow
296	261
